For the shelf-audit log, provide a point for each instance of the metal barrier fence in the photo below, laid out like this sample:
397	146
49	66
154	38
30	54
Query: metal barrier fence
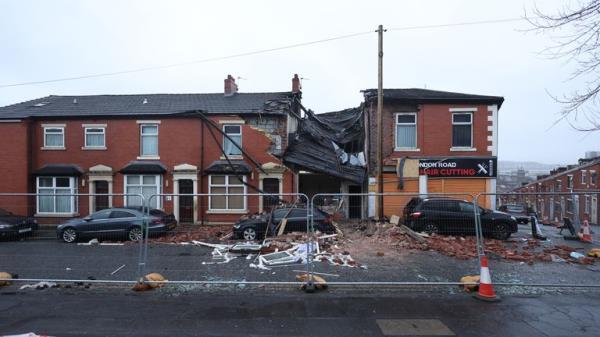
245	238
238	239
72	237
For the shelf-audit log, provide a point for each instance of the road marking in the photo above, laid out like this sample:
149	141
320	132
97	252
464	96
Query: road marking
413	327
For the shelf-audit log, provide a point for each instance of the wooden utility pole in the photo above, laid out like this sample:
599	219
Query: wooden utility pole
380	124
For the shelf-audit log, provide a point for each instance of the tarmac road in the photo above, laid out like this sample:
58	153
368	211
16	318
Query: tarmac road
49	258
119	312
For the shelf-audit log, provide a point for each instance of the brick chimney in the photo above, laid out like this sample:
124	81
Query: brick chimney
230	87
296	86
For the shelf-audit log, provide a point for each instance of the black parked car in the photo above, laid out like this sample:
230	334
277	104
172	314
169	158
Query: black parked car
15	226
519	211
251	229
116	223
451	216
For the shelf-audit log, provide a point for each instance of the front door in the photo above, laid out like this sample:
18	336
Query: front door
101	200
354	202
270	186
186	203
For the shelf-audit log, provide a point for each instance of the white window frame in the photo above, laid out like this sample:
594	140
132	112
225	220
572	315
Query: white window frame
570	181
592	174
142	135
226	185
72	188
62	133
586	207
583	177
458	148
86	132
157	184
396	147
235	134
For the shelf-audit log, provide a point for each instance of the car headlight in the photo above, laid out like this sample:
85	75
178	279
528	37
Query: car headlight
237	226
513	218
4	226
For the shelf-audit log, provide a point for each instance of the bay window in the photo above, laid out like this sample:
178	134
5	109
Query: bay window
224	185
55	195
146	185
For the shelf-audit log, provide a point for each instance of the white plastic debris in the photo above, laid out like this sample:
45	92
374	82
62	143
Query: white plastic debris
39	285
576	255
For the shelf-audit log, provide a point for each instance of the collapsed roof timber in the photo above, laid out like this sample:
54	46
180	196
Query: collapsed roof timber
331	143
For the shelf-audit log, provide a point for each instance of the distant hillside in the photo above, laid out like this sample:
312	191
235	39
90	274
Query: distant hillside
533	168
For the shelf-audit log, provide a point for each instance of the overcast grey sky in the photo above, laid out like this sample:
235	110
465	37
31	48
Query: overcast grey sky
43	40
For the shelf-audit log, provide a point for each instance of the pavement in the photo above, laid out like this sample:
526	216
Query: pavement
270	312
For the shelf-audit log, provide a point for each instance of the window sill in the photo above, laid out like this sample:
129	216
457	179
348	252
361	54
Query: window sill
224	211
406	149
148	157
463	149
55	215
98	148
232	157
46	148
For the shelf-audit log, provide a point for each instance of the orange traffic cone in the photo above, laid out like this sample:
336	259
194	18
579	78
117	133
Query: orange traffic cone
587	235
486	291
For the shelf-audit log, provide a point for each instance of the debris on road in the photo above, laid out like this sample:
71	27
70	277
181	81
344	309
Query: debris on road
117	270
30	334
39	285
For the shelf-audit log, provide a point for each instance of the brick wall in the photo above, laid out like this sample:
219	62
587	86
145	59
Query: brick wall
179	142
434	131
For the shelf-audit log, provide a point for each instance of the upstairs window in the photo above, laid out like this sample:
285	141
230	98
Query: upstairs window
149	140
570	181
94	138
593	177
406	131
462	130
54	137
583	177
235	133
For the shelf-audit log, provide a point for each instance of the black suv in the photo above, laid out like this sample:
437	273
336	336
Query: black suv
452	216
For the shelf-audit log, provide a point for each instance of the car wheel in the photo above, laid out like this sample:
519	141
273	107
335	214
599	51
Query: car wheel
431	228
135	234
500	232
249	234
69	235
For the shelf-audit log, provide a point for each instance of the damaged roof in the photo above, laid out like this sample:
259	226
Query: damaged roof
416	95
311	148
151	104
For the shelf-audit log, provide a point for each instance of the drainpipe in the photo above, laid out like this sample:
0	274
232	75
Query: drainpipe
201	198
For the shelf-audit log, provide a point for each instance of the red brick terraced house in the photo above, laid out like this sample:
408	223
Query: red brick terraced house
580	179
148	144
433	142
